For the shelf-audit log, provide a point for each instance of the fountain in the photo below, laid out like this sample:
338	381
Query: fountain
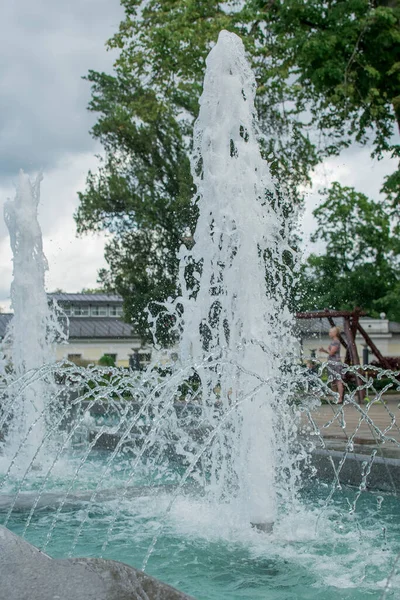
233	285
35	326
203	470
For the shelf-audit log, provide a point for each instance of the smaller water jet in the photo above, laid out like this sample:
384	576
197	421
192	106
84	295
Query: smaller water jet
35	326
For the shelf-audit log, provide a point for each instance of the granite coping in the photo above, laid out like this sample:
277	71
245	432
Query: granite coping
26	573
383	473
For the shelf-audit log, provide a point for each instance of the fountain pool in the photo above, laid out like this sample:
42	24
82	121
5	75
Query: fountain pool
316	550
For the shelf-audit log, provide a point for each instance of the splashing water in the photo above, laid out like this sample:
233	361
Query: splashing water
234	284
34	327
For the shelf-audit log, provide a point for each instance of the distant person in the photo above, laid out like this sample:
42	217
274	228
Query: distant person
335	365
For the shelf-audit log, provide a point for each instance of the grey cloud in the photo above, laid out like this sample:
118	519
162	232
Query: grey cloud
49	47
69	259
58	194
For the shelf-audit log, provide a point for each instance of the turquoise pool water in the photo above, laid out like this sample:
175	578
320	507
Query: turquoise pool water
316	550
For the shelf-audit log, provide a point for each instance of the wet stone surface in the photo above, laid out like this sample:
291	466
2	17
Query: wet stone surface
28	574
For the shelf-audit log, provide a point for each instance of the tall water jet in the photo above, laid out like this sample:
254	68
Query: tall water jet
32	332
234	284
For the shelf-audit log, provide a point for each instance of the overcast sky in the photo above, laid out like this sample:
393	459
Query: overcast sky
44	124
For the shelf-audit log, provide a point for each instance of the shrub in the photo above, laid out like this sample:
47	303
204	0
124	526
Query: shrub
394	362
106	361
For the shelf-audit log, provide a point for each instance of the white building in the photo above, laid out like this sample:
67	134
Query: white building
95	329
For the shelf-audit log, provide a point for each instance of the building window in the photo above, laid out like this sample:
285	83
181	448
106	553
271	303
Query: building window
120	311
67	311
80	311
112	311
99	311
144	358
74	357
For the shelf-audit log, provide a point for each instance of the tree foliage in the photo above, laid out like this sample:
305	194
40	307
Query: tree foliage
360	264
90	291
343	57
327	75
106	361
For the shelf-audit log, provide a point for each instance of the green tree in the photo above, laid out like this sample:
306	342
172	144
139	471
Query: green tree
360	264
143	188
327	75
343	59
89	291
390	303
106	361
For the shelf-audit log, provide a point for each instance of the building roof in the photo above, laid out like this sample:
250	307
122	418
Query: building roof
99	327
86	327
86	298
313	327
111	327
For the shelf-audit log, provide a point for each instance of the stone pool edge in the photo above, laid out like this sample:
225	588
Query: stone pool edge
380	472
26	572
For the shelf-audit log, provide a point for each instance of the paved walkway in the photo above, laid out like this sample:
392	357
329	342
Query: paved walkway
338	423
